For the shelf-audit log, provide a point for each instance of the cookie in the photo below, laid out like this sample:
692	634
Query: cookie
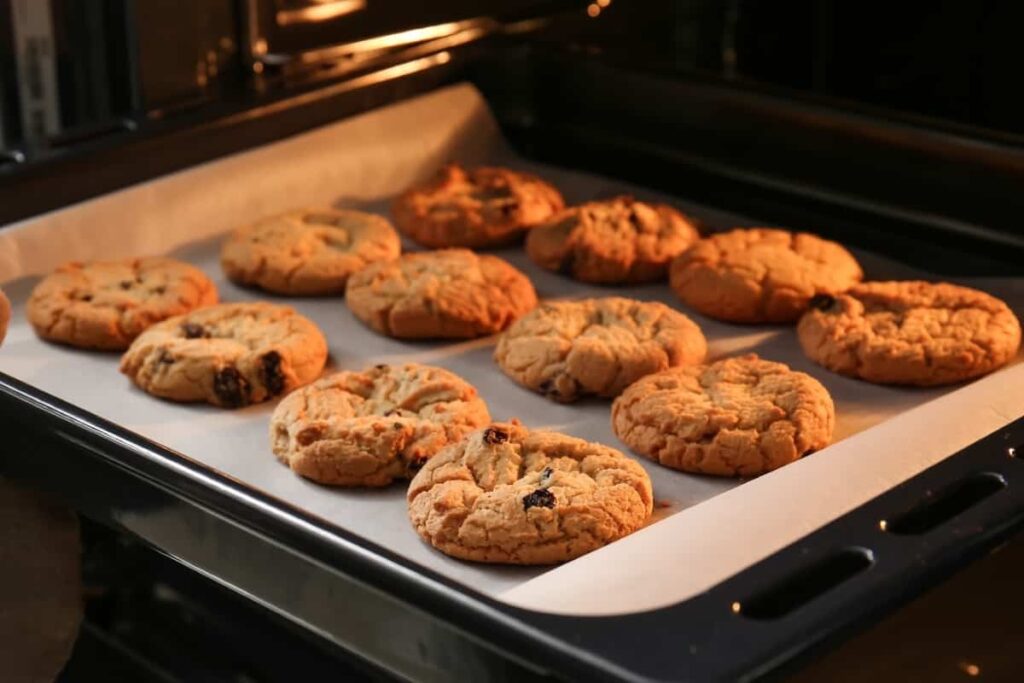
614	241
916	333
596	347
107	304
509	495
450	293
308	252
372	427
229	355
761	275
740	416
5	315
479	207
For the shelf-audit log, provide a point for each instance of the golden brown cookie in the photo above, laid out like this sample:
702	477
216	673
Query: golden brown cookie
229	355
509	495
598	347
5	315
761	275
372	427
107	304
479	207
740	416
911	332
450	293
613	241
308	252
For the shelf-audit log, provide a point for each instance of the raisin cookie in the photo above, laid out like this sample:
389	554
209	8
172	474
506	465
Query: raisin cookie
229	355
916	333
480	207
107	304
308	252
740	416
5	315
596	347
450	293
615	241
372	427
506	494
761	275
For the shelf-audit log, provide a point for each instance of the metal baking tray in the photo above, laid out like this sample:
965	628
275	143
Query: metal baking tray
626	611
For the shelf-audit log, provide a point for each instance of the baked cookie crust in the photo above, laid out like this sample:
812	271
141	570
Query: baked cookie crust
615	241
569	349
476	208
444	294
369	428
106	304
741	416
910	332
509	495
308	252
761	275
229	355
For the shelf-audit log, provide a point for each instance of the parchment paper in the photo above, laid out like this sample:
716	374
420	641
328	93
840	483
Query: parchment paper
698	537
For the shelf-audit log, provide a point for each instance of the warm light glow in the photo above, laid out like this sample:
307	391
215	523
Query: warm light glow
604	3
882	525
970	669
593	10
1012	451
322	11
736	607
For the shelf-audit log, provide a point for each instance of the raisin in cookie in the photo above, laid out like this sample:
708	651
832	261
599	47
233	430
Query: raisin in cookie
229	355
450	293
506	494
916	333
308	252
372	427
107	304
596	347
615	241
480	207
740	416
761	275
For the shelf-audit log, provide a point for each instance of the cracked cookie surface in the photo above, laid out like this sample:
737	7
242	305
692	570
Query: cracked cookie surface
740	416
761	275
372	427
509	495
229	355
307	252
106	304
569	349
478	207
618	240
910	332
449	293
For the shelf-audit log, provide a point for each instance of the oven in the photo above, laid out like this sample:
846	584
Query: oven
871	128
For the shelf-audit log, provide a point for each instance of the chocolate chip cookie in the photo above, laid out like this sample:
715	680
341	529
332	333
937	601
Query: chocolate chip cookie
740	416
479	207
509	495
913	332
761	275
450	293
372	427
308	252
614	241
107	304
229	355
596	347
